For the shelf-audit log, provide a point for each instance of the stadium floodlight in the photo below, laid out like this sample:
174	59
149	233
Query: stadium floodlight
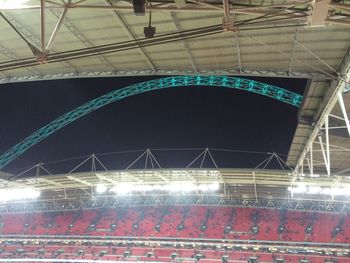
101	188
181	187
157	187
177	187
142	188
314	190
300	189
187	187
18	194
12	4
203	187
214	187
123	188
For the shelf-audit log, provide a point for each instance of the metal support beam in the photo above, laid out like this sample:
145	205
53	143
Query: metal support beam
238	51
76	32
302	168
73	178
291	59
327	145
324	154
344	171
9	54
203	8
105	178
207	4
57	27
42	26
226	5
131	36
188	51
161	72
342	22
228	20
343	71
138	201
339	5
318	12
34	39
189	9
171	8
52	182
23	30
311	159
343	109
337	147
170	4
255	190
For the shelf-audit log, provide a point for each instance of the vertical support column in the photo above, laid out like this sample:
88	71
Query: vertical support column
343	109
255	190
326	124
227	21
42	25
324	154
238	49
308	163
226	5
311	159
302	168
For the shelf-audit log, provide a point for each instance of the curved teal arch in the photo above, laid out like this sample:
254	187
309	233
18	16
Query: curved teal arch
157	84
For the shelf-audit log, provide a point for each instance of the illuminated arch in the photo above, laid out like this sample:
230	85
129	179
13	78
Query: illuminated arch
157	84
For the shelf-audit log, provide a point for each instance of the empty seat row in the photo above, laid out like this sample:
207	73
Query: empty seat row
185	222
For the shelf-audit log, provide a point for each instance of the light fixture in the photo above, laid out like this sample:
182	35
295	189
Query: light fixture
18	194
299	189
101	188
122	188
208	187
181	187
314	189
214	187
149	30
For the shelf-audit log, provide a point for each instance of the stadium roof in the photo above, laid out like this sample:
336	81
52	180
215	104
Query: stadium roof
268	38
339	143
237	187
91	38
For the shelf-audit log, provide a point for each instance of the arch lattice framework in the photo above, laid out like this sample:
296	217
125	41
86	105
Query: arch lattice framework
157	84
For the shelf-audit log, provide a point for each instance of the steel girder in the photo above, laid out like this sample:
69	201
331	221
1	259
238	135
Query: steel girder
161	72
40	206
334	97
271	91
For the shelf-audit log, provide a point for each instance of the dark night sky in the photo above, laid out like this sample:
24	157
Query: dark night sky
183	117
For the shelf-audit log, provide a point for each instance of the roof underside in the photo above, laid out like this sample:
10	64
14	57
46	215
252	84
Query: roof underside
257	51
339	141
267	38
